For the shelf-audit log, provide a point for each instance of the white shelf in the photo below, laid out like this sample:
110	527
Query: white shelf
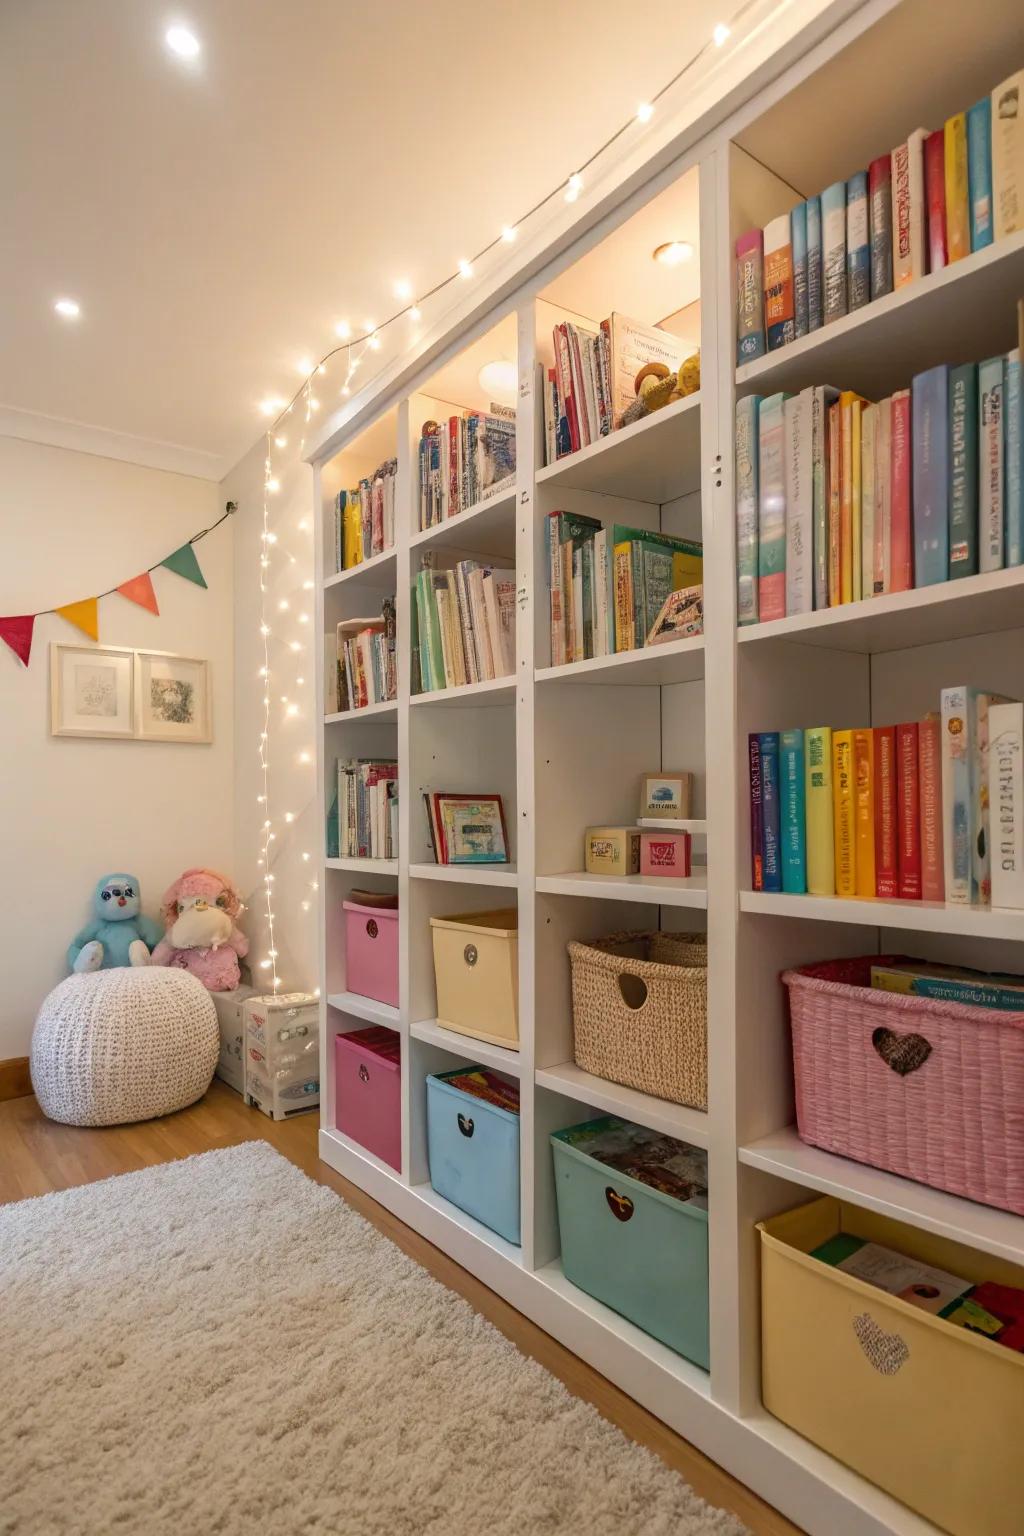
488	528
377	572
496	691
511	1252
980	1226
913	916
368	1008
364	866
386	711
654	459
678	661
467	874
349	1145
612	1099
661	891
465	1045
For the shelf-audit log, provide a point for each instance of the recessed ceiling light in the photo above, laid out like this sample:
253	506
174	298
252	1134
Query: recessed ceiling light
68	308
182	42
673	252
499	380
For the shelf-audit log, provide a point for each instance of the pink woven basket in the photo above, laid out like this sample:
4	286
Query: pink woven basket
930	1090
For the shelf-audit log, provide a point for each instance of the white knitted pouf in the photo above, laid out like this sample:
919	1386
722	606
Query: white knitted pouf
126	1044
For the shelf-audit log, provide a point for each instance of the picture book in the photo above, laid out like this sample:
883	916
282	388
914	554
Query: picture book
821	877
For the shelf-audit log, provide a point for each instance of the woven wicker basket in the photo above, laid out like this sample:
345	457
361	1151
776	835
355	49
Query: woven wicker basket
639	1011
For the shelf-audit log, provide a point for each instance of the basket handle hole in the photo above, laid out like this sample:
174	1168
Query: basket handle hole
633	989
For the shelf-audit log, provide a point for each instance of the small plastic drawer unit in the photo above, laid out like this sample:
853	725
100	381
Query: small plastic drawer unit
230	1008
282	1054
633	1220
473	1145
368	1090
476	967
371	952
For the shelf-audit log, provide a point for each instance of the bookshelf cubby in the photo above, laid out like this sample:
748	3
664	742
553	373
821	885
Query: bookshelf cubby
565	745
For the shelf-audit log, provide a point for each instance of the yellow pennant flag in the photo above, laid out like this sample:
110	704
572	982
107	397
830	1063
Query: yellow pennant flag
83	615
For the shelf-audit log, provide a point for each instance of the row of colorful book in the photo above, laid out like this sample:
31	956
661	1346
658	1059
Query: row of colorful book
839	498
363	822
612	589
465	460
366	669
364	518
928	810
464	626
933	200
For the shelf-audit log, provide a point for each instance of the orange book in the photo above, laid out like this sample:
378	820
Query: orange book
929	774
864	811
844	813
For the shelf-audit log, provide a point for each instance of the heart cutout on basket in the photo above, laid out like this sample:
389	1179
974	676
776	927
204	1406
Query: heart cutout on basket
887	1352
621	1206
903	1053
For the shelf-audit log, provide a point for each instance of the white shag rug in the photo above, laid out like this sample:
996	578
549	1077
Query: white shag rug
219	1345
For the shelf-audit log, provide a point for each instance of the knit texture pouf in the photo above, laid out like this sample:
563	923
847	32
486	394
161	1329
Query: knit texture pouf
126	1044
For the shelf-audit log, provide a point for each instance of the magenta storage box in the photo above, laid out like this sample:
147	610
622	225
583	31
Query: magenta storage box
368	1091
371	952
665	853
925	1088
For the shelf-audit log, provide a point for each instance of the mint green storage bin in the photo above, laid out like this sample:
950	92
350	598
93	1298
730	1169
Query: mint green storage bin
642	1252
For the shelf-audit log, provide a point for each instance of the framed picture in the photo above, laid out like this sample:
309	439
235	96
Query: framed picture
666	796
172	697
91	691
468	829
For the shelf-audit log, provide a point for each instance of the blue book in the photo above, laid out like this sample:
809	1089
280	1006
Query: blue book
815	280
833	251
858	243
929	414
979	172
768	742
1014	461
793	820
963	470
798	240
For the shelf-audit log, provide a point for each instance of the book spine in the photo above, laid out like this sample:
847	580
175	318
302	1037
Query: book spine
771	810
601	592
980	858
558	652
948	989
958	225
1014	461
883	498
868	449
799	508
834	482
844	813
821	398
1008	156
587	570
901	463
821	867
793	834
880	218
991	384
771	510
858	243
778	283
747	504
578	629
750	340
1006	803
798	242
908	210
864	811
886	874
957	806
929	768
833	250
935	198
847	402
979	172
930	432
856	499
908	814
963	467
815	286
756	814
623	598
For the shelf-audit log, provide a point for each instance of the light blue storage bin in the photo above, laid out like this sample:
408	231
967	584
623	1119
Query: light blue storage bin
473	1149
640	1251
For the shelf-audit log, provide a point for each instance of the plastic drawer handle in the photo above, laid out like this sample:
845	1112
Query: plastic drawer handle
621	1206
466	1125
371	928
364	1072
470	954
886	1352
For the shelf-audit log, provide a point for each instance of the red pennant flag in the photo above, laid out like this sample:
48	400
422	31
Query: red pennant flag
140	590
17	632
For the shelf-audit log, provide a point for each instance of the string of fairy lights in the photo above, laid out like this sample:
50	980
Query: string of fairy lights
354	346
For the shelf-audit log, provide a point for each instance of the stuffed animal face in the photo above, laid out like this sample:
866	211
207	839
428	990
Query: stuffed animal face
116	898
200	924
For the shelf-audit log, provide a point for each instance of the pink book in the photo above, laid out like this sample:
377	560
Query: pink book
929	773
899	500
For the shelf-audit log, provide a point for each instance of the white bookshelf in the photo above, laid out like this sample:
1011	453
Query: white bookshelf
565	746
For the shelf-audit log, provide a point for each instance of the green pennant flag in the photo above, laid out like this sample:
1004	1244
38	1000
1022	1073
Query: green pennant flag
184	563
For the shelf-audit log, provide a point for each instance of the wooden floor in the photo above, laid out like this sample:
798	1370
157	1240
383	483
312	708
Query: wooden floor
37	1156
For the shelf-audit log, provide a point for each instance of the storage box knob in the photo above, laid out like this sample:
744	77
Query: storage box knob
621	1206
469	954
466	1125
371	928
364	1072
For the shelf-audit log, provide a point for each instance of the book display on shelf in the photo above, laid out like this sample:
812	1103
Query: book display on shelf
465	460
363	822
364	518
364	669
464	625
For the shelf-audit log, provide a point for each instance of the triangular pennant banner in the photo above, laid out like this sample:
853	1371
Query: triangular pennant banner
140	590
83	615
17	632
184	563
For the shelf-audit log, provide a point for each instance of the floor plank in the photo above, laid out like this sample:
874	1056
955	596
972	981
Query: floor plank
37	1156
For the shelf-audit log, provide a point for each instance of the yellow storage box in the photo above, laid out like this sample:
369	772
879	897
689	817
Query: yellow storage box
925	1409
476	967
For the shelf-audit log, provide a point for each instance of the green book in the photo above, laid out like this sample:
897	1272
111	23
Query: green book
431	655
963	484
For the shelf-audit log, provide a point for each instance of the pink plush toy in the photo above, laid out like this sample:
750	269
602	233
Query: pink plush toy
199	912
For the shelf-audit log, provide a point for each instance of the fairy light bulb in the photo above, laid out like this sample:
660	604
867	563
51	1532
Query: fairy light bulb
721	34
465	268
644	112
508	234
573	187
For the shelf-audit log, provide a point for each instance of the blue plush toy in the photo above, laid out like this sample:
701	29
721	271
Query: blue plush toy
119	934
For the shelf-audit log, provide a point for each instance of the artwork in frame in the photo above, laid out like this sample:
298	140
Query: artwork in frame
172	698
91	691
467	829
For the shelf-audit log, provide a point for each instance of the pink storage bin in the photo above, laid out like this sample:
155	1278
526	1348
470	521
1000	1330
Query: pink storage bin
927	1089
368	1091
371	952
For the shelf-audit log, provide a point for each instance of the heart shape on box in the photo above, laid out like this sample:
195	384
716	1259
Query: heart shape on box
903	1053
466	1125
621	1206
887	1352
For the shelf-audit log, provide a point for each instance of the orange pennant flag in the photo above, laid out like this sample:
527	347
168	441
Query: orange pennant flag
140	590
83	615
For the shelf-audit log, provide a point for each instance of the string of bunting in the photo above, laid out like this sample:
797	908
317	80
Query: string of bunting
16	630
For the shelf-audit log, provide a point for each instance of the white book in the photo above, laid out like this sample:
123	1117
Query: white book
991	480
579	651
882	564
481	631
746	509
1008	155
797	428
1006	803
602	570
908	210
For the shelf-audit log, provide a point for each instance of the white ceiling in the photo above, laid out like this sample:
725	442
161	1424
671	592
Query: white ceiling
215	221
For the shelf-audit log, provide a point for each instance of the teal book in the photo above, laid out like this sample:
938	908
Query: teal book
992	459
833	250
963	470
1014	461
798	240
815	287
979	172
770	810
929	411
792	813
858	244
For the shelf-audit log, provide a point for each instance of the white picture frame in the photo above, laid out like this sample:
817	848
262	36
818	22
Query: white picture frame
92	691
172	698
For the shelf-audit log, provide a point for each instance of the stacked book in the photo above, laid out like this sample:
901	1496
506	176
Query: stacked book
364	518
464	625
928	810
839	498
932	201
466	460
367	809
617	588
364	670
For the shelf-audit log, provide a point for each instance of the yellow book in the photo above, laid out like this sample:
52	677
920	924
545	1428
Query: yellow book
843	813
687	570
958	223
821	860
864	787
352	532
622	570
